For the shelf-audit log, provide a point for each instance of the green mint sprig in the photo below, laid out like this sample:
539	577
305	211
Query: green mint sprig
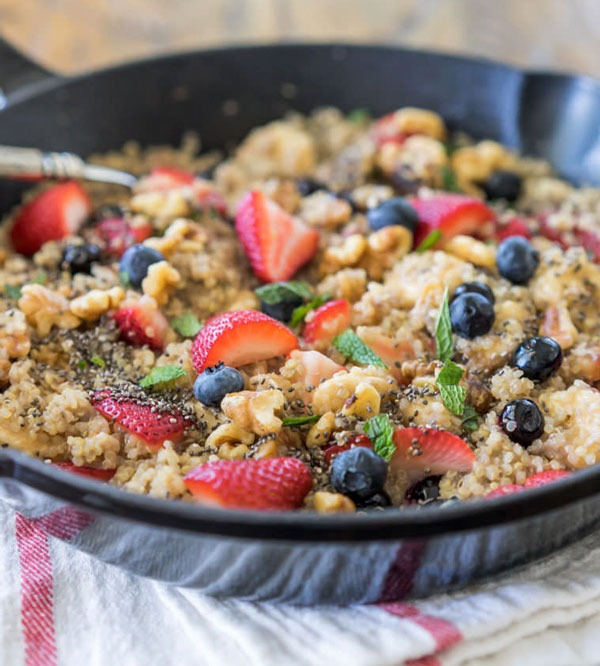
380	430
352	347
164	374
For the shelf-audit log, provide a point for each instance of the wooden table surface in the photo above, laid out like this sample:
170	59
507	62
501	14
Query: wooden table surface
75	35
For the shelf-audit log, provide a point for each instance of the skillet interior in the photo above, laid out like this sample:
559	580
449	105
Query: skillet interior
557	117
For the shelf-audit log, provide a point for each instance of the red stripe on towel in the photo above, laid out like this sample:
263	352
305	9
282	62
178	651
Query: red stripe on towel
444	633
37	607
399	579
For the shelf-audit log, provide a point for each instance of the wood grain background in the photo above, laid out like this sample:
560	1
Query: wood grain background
76	35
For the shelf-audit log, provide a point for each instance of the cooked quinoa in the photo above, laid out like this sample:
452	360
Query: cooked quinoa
60	343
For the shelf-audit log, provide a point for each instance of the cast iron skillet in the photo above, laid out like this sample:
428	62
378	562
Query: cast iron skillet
299	557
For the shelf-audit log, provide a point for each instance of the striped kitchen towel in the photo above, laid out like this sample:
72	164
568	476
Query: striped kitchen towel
60	607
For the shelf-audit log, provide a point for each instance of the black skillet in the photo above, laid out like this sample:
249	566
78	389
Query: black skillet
299	557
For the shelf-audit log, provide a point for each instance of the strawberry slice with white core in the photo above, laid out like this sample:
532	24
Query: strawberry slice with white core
543	478
276	243
142	420
164	179
327	321
452	214
315	367
89	472
240	337
54	214
270	484
142	323
422	452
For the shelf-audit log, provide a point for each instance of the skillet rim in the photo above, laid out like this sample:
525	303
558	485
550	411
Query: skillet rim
294	526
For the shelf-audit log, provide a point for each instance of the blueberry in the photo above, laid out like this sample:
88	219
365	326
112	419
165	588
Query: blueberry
426	490
475	288
503	185
306	186
284	309
517	259
79	258
522	421
396	211
538	357
212	385
380	500
471	314
135	263
358	473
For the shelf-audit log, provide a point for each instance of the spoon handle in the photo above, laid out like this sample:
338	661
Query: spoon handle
34	164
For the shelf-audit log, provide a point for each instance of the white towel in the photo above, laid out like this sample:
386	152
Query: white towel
60	607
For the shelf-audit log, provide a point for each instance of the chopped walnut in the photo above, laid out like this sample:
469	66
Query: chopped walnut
385	247
229	433
347	254
324	502
160	281
320	432
283	192
95	303
364	403
182	235
422	156
473	165
169	204
348	283
254	411
231	452
470	249
333	393
45	308
324	210
370	195
412	120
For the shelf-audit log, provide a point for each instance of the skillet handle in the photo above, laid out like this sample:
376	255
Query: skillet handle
17	71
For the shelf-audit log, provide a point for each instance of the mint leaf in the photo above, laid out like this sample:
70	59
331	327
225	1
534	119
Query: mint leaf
41	277
359	116
186	325
351	346
470	420
12	291
453	396
380	431
449	181
162	375
450	374
443	331
429	241
96	360
124	278
299	314
277	292
300	420
82	365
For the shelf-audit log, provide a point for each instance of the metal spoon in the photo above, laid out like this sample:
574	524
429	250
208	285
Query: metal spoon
31	163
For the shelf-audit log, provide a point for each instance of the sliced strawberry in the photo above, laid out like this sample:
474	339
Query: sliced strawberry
268	484
542	478
54	214
502	491
118	234
207	196
315	367
277	244
142	420
386	130
452	214
590	242
90	472
514	227
142	323
327	321
163	179
422	452
330	452
240	337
